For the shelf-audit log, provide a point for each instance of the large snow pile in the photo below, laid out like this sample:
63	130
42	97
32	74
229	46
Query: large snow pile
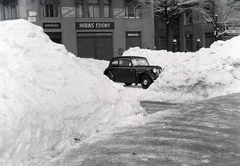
48	98
189	77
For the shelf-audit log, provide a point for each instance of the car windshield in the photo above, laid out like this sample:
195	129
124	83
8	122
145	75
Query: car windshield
139	62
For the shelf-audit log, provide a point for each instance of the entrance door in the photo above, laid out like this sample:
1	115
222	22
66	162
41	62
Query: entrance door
104	46
209	39
133	39
189	43
85	43
55	36
95	45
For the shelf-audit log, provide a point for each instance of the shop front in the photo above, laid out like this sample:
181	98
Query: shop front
95	40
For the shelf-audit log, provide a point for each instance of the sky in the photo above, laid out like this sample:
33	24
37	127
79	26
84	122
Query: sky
51	100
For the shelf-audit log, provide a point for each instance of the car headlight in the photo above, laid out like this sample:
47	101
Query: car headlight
154	70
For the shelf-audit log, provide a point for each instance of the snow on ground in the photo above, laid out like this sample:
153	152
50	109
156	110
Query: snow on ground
50	99
190	77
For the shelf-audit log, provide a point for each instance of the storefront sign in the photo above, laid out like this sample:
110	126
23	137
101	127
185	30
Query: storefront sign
233	30
68	11
133	34
32	19
52	25
94	25
32	13
118	13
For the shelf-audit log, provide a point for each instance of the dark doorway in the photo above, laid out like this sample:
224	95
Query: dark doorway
209	39
189	43
95	45
55	36
133	39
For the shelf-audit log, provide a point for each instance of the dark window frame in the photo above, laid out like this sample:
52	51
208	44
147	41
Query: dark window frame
79	4
107	6
94	11
50	8
11	9
133	10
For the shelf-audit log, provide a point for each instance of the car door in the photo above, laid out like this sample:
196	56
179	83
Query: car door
126	73
113	69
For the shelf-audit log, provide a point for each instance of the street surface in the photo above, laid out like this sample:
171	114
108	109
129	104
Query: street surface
202	134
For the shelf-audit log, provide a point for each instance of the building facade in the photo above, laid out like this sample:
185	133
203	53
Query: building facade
190	32
99	29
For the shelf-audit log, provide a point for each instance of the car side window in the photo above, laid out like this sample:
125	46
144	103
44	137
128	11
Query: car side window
125	62
114	63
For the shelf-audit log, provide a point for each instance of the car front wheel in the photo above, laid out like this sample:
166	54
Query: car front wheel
146	81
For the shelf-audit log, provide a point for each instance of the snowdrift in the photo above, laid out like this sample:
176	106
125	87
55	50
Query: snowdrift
190	77
49	99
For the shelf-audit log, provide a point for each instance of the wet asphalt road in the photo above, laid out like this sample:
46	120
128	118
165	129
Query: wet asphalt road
202	134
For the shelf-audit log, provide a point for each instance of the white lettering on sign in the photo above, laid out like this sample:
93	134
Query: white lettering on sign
50	25
94	25
133	34
102	25
86	25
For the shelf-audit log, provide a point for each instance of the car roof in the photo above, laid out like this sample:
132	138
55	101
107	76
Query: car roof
119	57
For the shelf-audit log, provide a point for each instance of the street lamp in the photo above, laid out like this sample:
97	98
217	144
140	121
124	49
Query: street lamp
198	44
174	45
216	17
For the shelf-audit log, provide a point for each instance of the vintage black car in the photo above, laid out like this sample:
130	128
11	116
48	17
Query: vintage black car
132	69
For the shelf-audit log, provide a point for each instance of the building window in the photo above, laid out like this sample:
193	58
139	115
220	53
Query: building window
11	10
93	9
106	8
50	8
162	24
177	21
79	8
188	18
132	10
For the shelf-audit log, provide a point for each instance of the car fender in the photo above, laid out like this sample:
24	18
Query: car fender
148	73
107	71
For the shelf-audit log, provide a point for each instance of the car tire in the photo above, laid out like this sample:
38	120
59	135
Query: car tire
128	84
146	81
110	76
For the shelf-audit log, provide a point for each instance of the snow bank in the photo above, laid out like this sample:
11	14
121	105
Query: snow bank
50	99
189	77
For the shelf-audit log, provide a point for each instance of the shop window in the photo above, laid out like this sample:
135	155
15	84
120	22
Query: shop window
50	8
106	8
79	8
93	8
132	9
11	10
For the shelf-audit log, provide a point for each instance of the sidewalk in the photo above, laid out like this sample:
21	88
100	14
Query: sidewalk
205	133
